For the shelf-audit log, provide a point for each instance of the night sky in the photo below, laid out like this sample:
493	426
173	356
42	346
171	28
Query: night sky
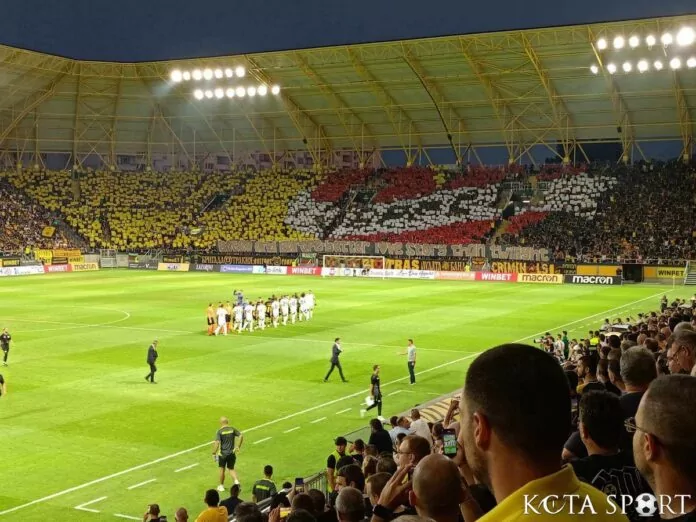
141	30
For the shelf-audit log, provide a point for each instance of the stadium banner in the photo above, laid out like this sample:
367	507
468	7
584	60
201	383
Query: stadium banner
10	271
173	267
172	259
492	276
84	267
10	261
455	265
48	231
50	269
204	267
304	270
76	260
237	269
455	276
592	280
396	274
142	265
43	255
67	252
597	270
275	270
522	267
59	260
663	272
568	268
248	260
550	279
357	248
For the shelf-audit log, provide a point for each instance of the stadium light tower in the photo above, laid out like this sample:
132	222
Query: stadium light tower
176	76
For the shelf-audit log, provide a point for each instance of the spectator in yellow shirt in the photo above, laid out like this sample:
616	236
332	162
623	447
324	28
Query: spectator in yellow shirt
213	513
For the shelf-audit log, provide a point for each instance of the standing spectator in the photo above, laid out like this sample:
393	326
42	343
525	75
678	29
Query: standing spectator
320	508
412	450
181	515
350	476
419	426
231	502
663	442
152	514
374	486
515	418
357	451
213	513
350	506
637	372
603	376
380	437
614	372
587	373
264	488
332	461
249	512
399	425
681	356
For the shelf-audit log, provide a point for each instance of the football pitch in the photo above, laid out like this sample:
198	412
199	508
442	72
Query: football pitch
80	427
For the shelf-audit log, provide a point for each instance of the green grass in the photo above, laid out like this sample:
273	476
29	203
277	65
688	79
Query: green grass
79	410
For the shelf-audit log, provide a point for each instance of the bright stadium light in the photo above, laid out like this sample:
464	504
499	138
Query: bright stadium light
263	90
686	36
643	66
650	40
667	39
219	93
611	68
186	76
601	44
275	90
241	91
594	69
176	76
240	71
251	91
208	74
658	65
691	62
198	94
197	75
634	41
230	92
229	73
675	63
619	42
218	73
627	67
208	94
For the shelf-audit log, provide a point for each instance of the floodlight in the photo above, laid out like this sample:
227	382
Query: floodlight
643	65
686	36
186	76
627	67
251	91
658	65
601	44
230	92
197	75
198	94
208	74
675	63
667	39
619	42
275	90
650	40
240	71
219	93
691	62
611	68
176	76
218	73
229	73
594	69
263	90
634	41
241	91
208	94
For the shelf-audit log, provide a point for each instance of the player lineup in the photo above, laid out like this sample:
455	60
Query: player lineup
247	315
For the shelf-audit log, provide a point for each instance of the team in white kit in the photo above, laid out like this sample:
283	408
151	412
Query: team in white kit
248	315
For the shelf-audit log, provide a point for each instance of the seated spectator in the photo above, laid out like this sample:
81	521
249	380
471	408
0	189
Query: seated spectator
515	419
350	476
248	512
264	488
233	500
350	506
181	515
380	437
664	446
412	450
681	355
213	513
419	426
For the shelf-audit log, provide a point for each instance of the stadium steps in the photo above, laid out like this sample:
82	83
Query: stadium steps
690	278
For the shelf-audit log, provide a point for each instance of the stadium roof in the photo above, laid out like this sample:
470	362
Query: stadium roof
515	88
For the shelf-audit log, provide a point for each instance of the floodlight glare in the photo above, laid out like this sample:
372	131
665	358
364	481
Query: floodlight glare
263	90
650	40
198	94
186	76
208	94
601	44
627	67
176	76
658	65
643	66
594	69
634	41
240	71
218	73
208	74
275	90
691	63
241	92
611	68
251	91
219	93
229	73
686	36
675	63
667	39
619	42
230	92
197	75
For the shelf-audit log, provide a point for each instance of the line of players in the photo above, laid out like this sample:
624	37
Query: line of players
246	315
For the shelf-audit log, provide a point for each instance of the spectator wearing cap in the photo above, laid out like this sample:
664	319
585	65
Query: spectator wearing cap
515	417
681	355
420	426
664	446
332	461
214	512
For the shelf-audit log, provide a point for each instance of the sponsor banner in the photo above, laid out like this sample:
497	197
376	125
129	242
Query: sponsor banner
84	267
522	267
258	269
9	261
353	262
304	270
667	272
592	280
492	276
76	260
59	260
569	268
204	267
276	270
67	252
401	274
50	269
10	271
598	270
248	260
142	265
452	265
357	248
173	267
172	259
551	279
237	269
455	276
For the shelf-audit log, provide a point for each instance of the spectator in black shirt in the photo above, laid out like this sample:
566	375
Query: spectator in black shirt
380	437
357	451
603	377
332	461
587	372
637	372
233	500
350	476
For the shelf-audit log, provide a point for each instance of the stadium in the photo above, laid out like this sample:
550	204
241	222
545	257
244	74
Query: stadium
256	218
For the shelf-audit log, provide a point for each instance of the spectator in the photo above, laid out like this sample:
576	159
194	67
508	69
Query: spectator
664	446
380	437
213	513
370	466
399	425
412	450
152	514
374	486
301	515
614	372
603	377
587	373
321	513
248	512
681	355
371	451
232	501
264	488
181	515
357	451
386	465
350	505
332	461
515	418
350	476
419	426
637	372
302	501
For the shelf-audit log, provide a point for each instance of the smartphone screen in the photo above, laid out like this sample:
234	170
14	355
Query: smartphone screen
449	443
299	485
284	512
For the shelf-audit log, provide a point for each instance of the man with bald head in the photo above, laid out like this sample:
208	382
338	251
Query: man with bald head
225	451
664	446
437	489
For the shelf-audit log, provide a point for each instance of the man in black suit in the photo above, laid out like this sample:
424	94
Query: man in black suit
151	360
335	363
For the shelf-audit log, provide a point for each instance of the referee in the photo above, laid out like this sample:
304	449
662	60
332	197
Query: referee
151	360
5	339
335	362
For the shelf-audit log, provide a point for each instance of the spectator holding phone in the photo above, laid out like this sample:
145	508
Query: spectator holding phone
153	514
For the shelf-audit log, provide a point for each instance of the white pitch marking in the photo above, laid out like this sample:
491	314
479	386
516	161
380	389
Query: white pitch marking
83	507
262	440
135	486
317	420
119	515
292	415
394	392
185	468
343	411
292	429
